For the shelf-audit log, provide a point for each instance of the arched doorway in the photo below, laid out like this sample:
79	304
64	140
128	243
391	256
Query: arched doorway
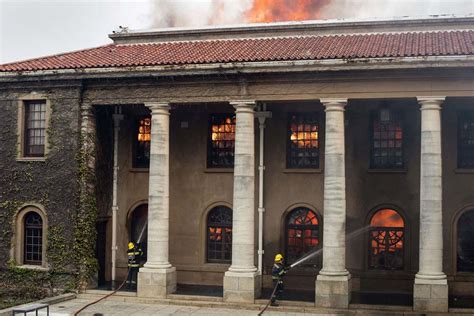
465	242
138	227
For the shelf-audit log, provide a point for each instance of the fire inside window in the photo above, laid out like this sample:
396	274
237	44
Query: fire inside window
33	243
465	247
387	140
386	240
466	140
219	235
142	144
303	141
221	141
35	128
302	233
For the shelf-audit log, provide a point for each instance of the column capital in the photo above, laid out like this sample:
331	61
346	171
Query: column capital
245	105
431	103
158	107
334	104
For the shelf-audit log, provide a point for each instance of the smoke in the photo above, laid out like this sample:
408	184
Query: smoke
170	13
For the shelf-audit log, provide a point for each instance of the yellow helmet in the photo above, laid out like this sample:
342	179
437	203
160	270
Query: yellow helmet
278	258
130	245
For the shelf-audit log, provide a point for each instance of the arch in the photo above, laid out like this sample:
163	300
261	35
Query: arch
30	236
465	241
386	239
137	221
219	234
302	231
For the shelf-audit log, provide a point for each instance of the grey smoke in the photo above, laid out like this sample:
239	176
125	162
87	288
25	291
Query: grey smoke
170	13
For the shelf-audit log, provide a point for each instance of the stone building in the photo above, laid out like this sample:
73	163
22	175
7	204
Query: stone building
236	143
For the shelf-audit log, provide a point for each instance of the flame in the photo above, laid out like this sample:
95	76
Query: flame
285	10
387	218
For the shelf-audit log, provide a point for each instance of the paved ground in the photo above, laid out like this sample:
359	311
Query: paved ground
128	309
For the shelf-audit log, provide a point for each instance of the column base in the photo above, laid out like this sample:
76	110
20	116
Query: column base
430	295
333	291
156	282
242	287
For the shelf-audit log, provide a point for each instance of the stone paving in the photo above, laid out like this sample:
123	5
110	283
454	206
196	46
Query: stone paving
128	309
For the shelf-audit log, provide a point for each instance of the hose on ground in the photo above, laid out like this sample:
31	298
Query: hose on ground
269	301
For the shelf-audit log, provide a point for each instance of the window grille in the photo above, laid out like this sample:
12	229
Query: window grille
221	141
465	247
303	141
35	128
466	140
33	243
387	140
219	235
142	143
302	233
386	241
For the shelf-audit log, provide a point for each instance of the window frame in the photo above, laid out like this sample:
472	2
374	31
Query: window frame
224	234
315	261
288	140
28	228
393	113
209	132
135	143
21	126
456	240
460	116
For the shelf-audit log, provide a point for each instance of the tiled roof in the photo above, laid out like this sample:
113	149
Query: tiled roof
442	43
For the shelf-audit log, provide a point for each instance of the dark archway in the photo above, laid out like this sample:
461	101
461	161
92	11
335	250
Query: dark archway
139	227
465	242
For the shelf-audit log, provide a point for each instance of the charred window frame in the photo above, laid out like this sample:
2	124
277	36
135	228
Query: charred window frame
387	242
33	239
466	140
465	242
142	142
221	141
303	141
219	235
34	128
387	140
302	233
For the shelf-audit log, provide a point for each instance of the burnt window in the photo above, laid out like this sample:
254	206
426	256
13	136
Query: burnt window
34	128
303	141
465	242
219	235
387	140
33	242
302	233
386	240
142	137
221	141
466	140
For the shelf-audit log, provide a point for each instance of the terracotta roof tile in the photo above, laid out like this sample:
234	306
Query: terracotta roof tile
257	50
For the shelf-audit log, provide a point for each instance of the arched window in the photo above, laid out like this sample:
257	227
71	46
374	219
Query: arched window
219	235
465	253
138	227
386	240
302	233
33	239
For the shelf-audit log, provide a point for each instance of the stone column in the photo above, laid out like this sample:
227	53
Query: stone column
333	284
158	277
431	286
241	283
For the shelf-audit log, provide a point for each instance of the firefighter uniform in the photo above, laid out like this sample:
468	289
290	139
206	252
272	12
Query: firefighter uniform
135	255
278	271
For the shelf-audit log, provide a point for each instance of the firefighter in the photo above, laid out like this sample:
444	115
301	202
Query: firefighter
135	255
278	271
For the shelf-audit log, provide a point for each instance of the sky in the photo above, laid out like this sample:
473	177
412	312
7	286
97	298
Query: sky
35	28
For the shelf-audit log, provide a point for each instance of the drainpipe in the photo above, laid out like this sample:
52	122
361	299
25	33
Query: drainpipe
261	115
117	117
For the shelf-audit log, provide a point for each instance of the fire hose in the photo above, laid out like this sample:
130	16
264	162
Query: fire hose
271	296
106	296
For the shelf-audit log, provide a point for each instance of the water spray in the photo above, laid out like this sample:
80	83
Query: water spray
141	233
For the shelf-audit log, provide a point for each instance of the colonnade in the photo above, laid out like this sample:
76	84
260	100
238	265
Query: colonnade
333	284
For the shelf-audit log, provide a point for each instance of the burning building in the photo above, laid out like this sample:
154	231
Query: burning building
218	147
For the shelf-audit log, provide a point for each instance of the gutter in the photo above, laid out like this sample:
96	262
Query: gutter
326	65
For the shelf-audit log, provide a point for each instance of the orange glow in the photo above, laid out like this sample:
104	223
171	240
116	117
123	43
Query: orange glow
285	10
387	218
144	130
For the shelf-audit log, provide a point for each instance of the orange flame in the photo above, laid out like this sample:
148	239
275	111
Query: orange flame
285	10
